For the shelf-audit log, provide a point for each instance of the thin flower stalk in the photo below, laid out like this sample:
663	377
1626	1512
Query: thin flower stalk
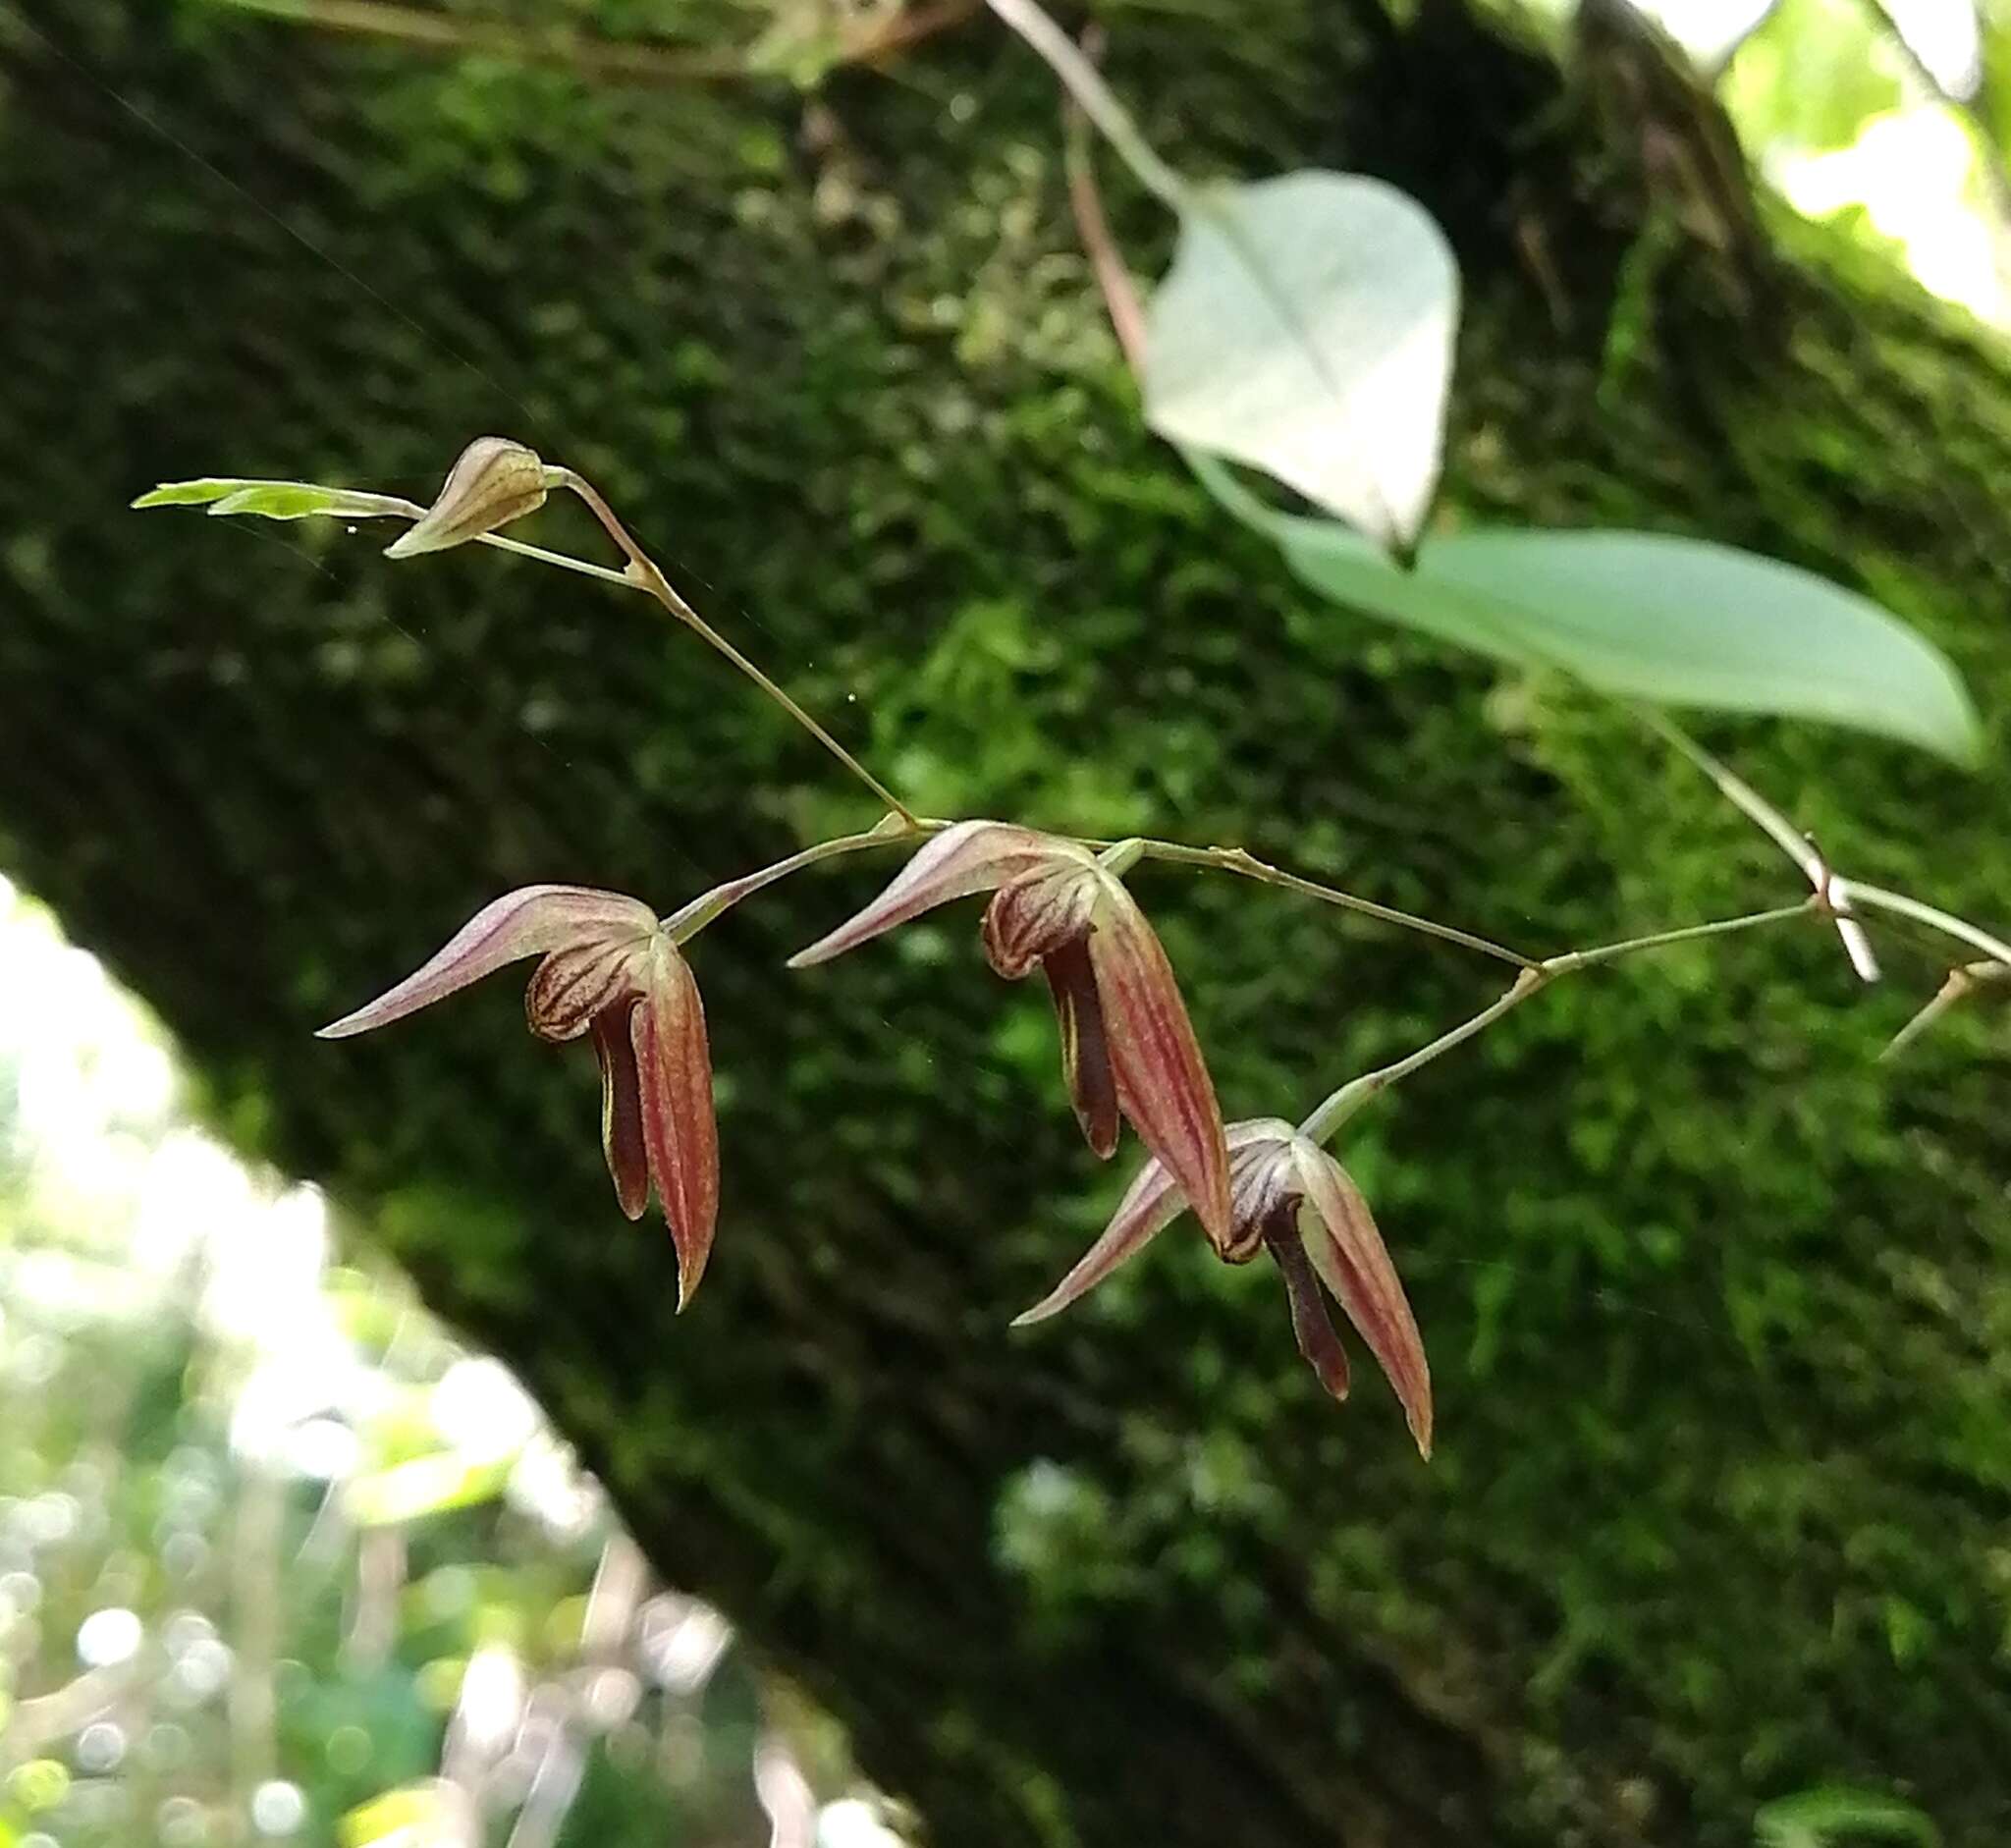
1933	917
1340	1105
1770	822
1960	984
711	905
496	480
1841	898
648	575
1246	865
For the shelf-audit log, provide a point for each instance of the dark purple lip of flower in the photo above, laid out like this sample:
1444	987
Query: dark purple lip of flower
621	1138
607	969
1312	1325
1085	1045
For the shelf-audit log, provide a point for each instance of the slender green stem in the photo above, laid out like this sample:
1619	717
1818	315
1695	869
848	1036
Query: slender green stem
1960	983
566	562
1082	81
1946	922
644	573
1781	832
1093	227
1573	959
1340	1106
1247	865
685	924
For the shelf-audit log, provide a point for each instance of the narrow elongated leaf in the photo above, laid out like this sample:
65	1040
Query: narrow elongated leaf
1649	616
197	493
276	500
1306	329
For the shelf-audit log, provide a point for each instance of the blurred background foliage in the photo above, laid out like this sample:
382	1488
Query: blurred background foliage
1717	1308
280	1560
1890	116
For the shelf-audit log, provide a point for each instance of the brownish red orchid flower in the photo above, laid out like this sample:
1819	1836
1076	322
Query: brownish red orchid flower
610	969
1127	1047
1292	1199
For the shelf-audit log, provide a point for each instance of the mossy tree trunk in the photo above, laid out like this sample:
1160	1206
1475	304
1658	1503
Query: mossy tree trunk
1718	1309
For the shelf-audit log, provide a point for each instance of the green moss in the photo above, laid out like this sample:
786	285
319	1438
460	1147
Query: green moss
1716	1305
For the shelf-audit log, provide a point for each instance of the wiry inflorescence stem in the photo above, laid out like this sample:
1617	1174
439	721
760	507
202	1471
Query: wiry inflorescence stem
1246	865
1340	1106
645	574
1832	895
612	970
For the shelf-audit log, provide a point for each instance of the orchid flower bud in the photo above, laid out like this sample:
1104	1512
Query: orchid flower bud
492	482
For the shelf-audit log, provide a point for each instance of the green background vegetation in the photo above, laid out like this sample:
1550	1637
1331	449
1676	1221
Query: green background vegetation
1717	1308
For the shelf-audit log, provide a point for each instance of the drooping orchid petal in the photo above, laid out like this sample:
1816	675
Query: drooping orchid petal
621	1138
1312	1325
529	922
1085	1045
493	481
971	858
674	1067
1340	1238
1162	1081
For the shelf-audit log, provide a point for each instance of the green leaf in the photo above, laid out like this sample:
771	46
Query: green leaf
1306	329
1647	615
1811	74
276	500
1817	1818
414	1816
421	1485
192	493
40	1784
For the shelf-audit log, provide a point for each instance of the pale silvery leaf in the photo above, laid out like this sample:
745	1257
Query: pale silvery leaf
1306	329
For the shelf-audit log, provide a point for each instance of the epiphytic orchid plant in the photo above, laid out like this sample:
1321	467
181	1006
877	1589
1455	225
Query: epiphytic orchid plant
1306	399
613	970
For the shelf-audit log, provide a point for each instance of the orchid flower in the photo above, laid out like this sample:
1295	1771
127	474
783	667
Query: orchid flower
1292	1199
611	970
1127	1047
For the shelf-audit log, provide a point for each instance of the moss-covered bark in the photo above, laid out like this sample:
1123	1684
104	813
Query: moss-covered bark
1718	1309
